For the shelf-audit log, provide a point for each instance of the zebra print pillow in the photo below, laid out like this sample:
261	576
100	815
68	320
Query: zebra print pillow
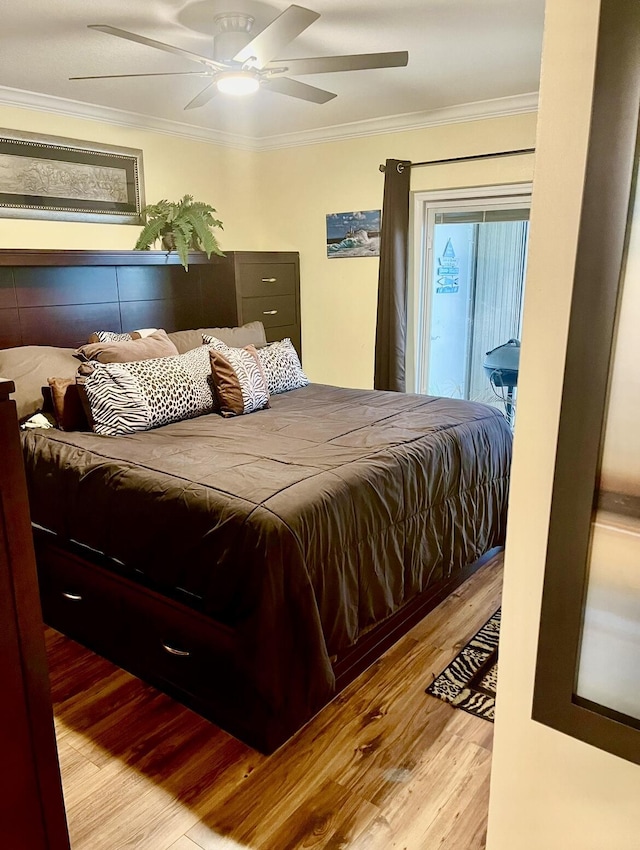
128	397
238	380
109	336
280	364
112	336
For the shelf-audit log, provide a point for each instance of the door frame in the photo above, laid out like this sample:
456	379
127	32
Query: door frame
420	255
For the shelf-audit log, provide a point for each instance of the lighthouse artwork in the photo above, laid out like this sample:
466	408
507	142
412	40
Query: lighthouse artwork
448	271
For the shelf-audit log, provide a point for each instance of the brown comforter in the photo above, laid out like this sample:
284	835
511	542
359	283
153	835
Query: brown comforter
300	526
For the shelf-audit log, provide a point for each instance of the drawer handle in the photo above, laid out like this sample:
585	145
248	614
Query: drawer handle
182	653
269	312
269	279
72	597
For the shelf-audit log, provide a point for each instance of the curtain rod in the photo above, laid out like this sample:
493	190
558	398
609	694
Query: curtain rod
401	166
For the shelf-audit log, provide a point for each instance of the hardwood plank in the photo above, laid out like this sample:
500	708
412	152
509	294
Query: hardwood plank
79	773
184	843
372	732
324	819
383	766
420	815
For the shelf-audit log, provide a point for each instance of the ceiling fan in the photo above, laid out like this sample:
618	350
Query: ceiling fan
244	63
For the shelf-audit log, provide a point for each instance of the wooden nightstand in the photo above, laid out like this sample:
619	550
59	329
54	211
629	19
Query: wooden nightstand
258	285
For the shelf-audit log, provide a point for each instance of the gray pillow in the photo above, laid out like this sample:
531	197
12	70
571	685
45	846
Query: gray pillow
250	334
29	367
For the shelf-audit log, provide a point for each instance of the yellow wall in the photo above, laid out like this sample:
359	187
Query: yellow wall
173	167
550	791
278	200
301	185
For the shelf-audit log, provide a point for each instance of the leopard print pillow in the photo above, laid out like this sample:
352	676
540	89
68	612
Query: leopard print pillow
128	397
280	363
282	367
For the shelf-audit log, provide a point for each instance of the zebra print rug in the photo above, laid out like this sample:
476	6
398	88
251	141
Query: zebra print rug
470	681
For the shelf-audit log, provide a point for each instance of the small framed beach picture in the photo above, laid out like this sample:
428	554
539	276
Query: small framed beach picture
353	234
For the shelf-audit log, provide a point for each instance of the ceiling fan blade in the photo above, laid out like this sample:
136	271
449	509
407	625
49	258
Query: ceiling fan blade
273	38
293	88
155	74
204	96
330	64
159	45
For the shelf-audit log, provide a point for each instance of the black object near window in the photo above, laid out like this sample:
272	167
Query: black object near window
588	668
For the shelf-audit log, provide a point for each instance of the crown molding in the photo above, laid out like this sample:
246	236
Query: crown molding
477	111
120	117
496	108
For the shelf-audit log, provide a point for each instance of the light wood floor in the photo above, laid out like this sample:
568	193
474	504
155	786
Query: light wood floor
384	767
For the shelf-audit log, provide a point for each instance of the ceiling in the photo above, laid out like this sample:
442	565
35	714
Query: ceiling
460	52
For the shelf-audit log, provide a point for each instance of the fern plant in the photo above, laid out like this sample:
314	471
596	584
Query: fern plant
183	225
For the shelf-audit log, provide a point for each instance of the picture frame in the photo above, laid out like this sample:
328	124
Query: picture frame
353	234
51	177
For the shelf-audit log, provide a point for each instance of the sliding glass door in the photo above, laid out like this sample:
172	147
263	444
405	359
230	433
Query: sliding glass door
470	265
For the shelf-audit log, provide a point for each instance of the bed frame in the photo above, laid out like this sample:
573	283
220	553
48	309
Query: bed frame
59	298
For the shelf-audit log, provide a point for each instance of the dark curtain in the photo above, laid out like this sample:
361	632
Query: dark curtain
391	326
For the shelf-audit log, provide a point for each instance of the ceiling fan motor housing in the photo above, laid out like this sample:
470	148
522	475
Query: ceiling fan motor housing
232	34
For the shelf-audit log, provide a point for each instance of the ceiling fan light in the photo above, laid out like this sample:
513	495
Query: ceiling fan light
238	83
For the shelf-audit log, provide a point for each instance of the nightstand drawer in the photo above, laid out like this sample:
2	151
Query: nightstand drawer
257	279
272	311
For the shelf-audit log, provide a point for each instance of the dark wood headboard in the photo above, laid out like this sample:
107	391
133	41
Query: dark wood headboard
60	297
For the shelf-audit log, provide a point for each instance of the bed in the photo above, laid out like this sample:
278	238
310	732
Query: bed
253	566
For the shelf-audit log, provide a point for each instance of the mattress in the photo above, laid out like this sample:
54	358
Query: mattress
300	526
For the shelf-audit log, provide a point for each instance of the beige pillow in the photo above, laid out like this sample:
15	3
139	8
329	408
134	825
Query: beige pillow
29	367
250	334
150	347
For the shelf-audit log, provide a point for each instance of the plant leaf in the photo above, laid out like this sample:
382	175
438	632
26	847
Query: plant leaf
150	232
183	231
206	240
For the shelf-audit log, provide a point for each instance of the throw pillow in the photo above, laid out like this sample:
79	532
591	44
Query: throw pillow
136	396
282	367
250	334
155	345
110	336
67	404
113	336
238	380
